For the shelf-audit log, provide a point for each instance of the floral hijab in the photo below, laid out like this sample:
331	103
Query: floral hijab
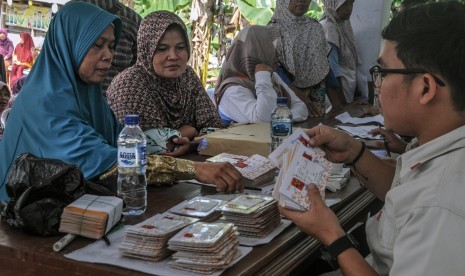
340	33
301	45
160	102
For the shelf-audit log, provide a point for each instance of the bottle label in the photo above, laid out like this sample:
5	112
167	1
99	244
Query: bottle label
132	157
281	128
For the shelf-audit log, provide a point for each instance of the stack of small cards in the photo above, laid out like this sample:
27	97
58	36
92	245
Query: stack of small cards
253	215
148	239
204	208
91	216
338	178
300	165
256	170
204	247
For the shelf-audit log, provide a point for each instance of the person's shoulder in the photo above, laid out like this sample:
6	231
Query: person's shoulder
132	15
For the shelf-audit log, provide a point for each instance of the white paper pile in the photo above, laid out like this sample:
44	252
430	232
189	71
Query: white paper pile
253	215
338	178
204	247
203	208
256	170
148	239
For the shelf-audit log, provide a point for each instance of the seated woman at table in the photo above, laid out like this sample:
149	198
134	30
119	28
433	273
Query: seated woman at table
161	87
61	113
247	88
22	57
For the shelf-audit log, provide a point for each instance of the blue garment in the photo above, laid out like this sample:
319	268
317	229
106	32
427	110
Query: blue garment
284	75
57	115
334	60
331	80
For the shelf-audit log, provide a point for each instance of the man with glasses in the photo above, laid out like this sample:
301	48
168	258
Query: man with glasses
421	82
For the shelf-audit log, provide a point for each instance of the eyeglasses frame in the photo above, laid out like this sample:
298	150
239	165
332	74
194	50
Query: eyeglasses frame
376	69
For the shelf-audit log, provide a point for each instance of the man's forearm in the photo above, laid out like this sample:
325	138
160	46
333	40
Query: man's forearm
352	263
375	173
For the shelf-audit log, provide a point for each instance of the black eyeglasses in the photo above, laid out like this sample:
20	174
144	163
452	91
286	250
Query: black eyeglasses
378	74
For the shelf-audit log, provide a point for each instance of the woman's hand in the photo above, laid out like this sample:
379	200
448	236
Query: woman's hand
178	146
319	221
188	131
224	175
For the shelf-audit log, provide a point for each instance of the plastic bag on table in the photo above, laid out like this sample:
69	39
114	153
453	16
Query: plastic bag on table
39	189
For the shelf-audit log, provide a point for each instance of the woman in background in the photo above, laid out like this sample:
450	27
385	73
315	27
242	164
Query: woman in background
247	87
343	57
22	58
303	55
6	47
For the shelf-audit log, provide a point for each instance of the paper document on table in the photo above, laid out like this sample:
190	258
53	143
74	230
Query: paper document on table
361	132
346	118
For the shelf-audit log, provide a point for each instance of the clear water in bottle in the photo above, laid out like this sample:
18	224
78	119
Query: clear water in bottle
281	123
132	184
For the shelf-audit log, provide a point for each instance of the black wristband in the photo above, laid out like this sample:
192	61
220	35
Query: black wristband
360	153
342	244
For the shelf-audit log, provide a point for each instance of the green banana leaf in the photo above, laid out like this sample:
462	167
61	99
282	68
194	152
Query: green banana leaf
256	16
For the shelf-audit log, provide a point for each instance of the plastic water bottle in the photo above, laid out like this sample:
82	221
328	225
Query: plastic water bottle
281	123
132	184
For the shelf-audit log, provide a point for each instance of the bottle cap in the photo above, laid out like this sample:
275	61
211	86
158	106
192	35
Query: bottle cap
281	100
131	119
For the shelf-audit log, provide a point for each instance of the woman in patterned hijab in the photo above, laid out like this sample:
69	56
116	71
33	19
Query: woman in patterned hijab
339	34
161	87
303	55
301	44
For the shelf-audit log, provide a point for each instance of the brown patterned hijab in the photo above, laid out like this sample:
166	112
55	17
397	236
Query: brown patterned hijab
160	102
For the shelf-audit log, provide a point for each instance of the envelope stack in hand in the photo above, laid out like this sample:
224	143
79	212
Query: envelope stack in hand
253	215
256	170
203	208
91	216
148	240
300	165
204	247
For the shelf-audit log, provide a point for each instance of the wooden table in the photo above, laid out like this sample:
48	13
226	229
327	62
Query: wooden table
23	254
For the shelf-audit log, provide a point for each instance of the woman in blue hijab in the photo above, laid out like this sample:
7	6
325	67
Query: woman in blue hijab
61	113
57	115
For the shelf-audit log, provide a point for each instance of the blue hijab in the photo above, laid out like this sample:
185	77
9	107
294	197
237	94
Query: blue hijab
57	115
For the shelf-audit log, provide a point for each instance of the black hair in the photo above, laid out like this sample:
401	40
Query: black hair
432	37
